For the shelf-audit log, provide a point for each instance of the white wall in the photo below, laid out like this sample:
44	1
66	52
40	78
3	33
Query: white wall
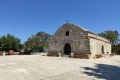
96	46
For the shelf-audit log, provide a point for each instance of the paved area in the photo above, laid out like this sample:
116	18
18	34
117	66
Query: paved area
36	67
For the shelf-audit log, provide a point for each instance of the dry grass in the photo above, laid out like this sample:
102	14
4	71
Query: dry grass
98	56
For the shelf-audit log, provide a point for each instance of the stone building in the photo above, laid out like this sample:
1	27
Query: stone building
70	38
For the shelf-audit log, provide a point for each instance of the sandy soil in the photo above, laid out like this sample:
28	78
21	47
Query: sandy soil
36	67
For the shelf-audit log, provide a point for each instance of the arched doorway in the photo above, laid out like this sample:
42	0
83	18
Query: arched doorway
67	49
102	49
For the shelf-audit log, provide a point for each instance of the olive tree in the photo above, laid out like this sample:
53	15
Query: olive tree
38	42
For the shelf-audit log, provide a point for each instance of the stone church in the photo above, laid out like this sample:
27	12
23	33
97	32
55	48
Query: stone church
71	38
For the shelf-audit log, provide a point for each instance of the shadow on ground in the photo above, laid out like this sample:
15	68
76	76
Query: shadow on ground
103	71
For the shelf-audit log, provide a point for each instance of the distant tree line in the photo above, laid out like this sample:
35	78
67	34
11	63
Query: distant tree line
37	43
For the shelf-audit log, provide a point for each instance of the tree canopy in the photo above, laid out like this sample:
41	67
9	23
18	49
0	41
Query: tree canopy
113	36
9	42
38	42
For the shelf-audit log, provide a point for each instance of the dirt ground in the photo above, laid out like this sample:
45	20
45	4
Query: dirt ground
36	67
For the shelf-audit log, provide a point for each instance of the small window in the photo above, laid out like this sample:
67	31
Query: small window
67	33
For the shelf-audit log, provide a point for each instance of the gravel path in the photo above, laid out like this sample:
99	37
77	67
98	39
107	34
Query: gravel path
36	67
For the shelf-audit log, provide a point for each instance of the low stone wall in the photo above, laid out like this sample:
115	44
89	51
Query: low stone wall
81	55
16	53
39	53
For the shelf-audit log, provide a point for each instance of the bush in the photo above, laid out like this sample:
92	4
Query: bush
112	54
98	56
53	53
1	52
26	52
10	52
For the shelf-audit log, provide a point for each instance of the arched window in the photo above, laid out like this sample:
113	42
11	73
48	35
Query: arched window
102	49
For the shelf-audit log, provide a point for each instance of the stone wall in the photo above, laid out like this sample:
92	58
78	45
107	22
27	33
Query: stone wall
96	46
77	39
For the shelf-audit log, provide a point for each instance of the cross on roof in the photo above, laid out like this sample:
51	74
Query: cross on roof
67	21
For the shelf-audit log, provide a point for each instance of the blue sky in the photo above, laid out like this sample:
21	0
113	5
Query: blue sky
23	18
